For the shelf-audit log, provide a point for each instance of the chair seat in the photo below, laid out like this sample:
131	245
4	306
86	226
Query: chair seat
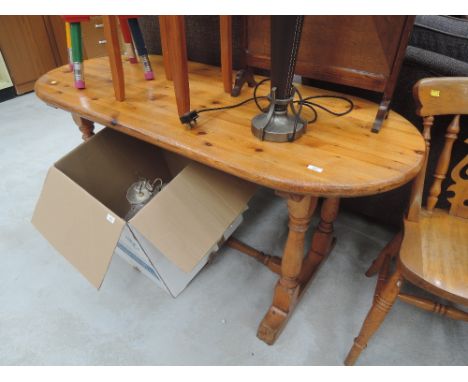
434	254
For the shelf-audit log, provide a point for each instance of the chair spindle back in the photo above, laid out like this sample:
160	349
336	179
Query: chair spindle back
441	96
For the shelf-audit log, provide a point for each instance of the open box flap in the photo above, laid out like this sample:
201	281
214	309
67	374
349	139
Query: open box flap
108	164
191	213
82	229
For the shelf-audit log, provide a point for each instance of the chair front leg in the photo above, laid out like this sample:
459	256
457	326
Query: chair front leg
391	250
380	307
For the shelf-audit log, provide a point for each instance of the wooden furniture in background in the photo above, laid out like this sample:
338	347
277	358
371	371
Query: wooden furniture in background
31	46
360	51
434	244
94	38
324	162
57	37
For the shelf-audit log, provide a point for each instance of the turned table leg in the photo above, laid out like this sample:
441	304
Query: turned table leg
287	289
85	126
322	241
297	271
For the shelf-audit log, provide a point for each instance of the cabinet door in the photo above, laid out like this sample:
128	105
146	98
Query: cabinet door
26	47
56	29
94	42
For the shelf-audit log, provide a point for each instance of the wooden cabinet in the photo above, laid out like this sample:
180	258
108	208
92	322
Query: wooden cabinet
30	47
94	42
360	51
33	45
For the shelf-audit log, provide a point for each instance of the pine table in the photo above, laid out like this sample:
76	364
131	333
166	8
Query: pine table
337	157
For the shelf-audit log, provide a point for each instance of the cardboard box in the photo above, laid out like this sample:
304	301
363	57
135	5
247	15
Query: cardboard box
83	203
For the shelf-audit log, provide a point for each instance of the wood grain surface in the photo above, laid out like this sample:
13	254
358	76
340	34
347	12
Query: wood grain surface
111	32
352	160
441	96
421	256
225	33
27	48
431	252
351	50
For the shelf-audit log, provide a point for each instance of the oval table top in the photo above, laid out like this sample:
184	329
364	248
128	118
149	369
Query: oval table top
337	156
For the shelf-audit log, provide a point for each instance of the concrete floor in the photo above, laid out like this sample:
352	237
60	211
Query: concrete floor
50	315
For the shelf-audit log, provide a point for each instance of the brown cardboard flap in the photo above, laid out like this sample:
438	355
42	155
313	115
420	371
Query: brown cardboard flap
82	229
108	164
192	212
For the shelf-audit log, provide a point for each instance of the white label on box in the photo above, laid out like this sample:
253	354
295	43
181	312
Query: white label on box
110	218
314	168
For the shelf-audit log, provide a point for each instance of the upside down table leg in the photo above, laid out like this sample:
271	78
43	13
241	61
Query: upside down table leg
86	127
287	289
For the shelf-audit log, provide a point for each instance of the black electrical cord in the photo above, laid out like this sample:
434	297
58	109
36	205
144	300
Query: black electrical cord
191	116
312	105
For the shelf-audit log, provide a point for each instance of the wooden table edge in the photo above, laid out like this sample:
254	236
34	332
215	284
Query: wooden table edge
313	189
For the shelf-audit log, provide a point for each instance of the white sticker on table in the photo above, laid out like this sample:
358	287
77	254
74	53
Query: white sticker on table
314	168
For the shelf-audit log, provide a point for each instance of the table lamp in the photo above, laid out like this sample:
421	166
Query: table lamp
275	123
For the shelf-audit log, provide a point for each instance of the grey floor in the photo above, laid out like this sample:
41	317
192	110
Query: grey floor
50	315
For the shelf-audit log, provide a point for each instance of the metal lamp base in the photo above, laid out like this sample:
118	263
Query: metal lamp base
279	129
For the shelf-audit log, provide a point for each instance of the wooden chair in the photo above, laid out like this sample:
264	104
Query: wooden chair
432	250
174	58
174	53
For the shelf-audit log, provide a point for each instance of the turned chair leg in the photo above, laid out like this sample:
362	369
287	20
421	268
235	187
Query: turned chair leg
383	275
434	307
177	47
380	307
391	249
